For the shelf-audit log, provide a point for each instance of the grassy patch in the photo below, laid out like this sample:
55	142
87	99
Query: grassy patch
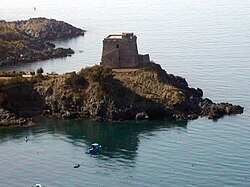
147	84
97	73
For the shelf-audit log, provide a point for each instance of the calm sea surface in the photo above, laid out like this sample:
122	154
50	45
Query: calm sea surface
205	41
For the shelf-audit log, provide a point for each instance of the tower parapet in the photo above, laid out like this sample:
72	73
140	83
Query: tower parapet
120	51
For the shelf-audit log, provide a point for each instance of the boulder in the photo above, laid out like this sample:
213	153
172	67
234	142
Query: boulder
141	116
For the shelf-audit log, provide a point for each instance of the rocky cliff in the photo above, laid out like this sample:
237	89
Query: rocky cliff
99	93
25	41
47	29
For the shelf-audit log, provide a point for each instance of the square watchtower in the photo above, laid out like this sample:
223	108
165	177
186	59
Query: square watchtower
120	51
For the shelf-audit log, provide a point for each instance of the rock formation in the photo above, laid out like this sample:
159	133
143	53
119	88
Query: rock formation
24	41
99	93
8	119
47	29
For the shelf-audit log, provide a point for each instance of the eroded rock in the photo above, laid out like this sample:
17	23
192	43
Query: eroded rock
48	29
8	118
25	41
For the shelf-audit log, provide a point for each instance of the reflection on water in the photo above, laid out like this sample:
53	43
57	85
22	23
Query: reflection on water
134	153
118	139
206	42
56	145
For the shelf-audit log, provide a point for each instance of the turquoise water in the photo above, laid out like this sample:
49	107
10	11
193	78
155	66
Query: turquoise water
207	42
200	153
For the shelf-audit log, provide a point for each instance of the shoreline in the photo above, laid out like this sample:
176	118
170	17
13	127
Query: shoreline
101	94
26	41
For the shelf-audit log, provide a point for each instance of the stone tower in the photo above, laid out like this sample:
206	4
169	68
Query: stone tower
120	51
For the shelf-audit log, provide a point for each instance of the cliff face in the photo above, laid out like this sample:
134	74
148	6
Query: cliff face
18	102
8	119
24	41
99	93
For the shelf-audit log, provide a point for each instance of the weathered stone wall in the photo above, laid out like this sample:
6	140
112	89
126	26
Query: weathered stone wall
111	58
143	59
129	52
120	52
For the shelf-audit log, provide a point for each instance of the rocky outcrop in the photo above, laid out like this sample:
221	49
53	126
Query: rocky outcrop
8	119
25	41
19	101
34	56
99	93
48	29
217	110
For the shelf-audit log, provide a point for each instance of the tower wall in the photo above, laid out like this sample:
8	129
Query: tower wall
110	53
129	52
120	51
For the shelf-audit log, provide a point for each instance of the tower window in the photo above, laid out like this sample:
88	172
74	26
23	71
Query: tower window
117	46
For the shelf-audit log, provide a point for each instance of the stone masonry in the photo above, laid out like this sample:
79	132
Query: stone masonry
120	51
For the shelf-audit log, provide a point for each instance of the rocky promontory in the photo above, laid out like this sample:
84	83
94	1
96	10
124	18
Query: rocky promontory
26	41
48	29
99	93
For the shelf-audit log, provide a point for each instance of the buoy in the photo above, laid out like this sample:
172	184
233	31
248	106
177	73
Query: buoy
26	139
76	165
38	185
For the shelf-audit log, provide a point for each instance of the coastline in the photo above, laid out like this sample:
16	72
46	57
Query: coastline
27	41
100	94
97	93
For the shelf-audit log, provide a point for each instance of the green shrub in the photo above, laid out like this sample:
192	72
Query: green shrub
39	71
97	73
74	79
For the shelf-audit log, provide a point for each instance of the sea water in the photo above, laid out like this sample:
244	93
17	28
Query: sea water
207	42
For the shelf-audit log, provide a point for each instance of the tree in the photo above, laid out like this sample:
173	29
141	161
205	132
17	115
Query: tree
39	71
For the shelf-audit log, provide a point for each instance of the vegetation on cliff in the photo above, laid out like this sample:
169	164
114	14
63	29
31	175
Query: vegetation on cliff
48	29
12	41
102	94
24	41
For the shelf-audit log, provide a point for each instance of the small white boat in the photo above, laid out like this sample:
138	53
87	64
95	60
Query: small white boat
94	149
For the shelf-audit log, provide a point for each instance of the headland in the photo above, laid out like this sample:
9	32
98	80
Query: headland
99	93
27	41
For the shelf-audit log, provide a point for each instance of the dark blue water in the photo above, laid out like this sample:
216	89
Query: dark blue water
207	42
